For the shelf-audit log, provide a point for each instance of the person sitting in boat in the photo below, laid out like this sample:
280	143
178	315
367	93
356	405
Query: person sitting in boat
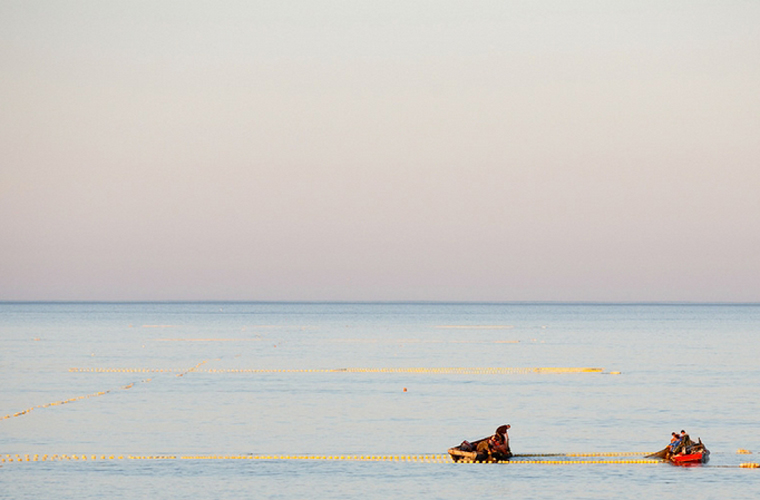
683	444
502	431
674	439
495	447
687	442
499	449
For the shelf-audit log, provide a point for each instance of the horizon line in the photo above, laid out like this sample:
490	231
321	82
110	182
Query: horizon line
393	302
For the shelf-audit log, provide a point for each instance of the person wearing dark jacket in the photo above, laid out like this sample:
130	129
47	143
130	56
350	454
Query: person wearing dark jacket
495	447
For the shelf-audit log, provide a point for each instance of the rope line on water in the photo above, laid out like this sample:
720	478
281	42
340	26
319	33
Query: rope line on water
435	458
600	454
72	400
197	369
100	393
427	458
193	369
443	370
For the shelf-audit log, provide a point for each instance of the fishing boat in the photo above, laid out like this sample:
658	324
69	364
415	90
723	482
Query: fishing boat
695	457
690	454
467	452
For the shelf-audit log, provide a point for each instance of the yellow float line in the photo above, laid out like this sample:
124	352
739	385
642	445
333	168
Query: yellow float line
418	341
361	458
601	454
438	458
445	370
208	340
193	369
580	462
610	454
125	370
139	370
72	400
52	458
102	393
196	368
477	327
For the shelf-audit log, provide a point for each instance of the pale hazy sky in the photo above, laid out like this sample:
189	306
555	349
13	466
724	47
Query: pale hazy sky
393	150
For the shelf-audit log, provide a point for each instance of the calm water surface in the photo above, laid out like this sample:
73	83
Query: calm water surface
681	366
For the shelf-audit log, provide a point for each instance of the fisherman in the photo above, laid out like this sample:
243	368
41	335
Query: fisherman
675	437
503	431
495	447
686	442
483	450
682	445
500	447
675	440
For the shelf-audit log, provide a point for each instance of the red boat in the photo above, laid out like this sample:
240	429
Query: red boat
695	457
690	453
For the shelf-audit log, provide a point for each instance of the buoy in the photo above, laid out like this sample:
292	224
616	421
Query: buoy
404	389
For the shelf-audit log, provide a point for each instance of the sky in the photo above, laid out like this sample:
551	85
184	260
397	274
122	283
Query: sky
380	151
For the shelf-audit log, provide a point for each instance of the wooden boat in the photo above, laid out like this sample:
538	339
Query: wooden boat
466	452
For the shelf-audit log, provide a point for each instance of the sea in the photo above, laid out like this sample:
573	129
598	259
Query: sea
231	400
